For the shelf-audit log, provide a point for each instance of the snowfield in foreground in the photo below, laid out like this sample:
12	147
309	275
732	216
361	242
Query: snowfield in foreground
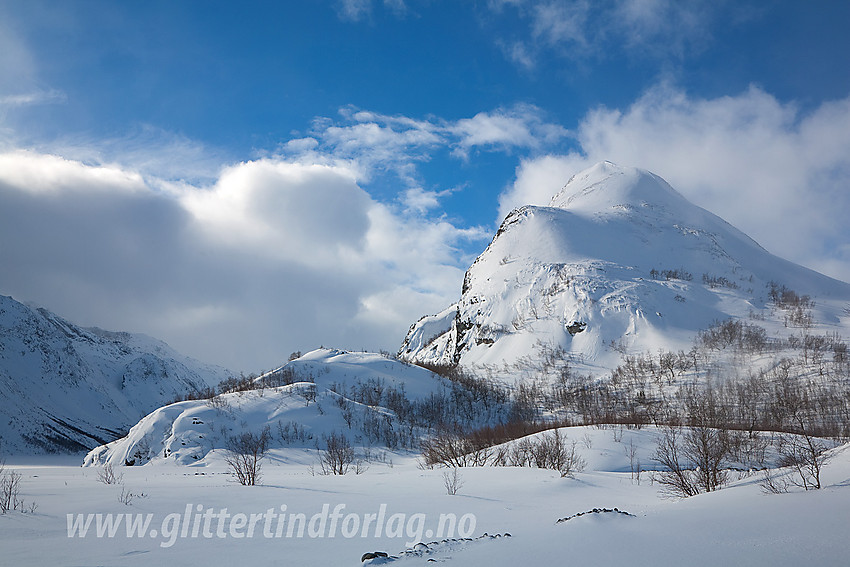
198	515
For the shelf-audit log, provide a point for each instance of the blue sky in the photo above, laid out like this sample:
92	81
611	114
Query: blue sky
244	181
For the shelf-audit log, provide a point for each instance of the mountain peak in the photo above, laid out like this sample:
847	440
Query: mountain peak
617	258
607	187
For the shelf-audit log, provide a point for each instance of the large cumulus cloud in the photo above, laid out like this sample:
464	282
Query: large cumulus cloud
274	256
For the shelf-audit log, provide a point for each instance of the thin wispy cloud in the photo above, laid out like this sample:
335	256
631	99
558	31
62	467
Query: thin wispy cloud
581	30
359	10
378	141
34	97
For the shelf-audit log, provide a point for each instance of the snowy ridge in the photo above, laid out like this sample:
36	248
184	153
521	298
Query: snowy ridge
618	259
299	415
66	388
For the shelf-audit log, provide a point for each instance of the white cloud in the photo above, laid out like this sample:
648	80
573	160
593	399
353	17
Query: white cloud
521	126
302	213
38	173
538	179
772	170
274	256
418	200
153	152
371	142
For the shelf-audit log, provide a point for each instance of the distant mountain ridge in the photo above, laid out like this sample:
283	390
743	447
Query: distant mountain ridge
68	388
618	262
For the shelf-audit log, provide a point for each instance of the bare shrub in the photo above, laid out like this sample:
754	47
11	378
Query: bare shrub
452	480
551	451
806	456
338	455
452	450
10	482
634	461
126	497
676	479
245	453
773	484
108	475
692	459
547	451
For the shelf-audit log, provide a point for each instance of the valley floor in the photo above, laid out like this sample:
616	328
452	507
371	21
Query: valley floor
197	515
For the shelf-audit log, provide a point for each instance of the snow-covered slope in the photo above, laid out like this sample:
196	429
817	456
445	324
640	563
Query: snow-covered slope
738	525
618	262
65	388
331	391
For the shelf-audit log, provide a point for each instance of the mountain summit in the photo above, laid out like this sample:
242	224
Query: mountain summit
618	262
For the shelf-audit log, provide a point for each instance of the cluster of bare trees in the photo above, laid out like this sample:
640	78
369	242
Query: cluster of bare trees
807	372
245	383
465	403
548	450
676	274
453	449
696	458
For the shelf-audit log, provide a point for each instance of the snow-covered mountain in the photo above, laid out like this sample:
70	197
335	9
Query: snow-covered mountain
618	262
66	388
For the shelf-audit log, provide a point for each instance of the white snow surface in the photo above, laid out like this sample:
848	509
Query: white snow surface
67	388
738	525
624	260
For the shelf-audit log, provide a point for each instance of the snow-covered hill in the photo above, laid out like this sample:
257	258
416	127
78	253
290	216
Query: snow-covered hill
326	391
65	388
618	262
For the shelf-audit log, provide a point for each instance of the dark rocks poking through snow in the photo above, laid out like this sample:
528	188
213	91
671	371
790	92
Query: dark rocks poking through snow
422	549
596	511
576	327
